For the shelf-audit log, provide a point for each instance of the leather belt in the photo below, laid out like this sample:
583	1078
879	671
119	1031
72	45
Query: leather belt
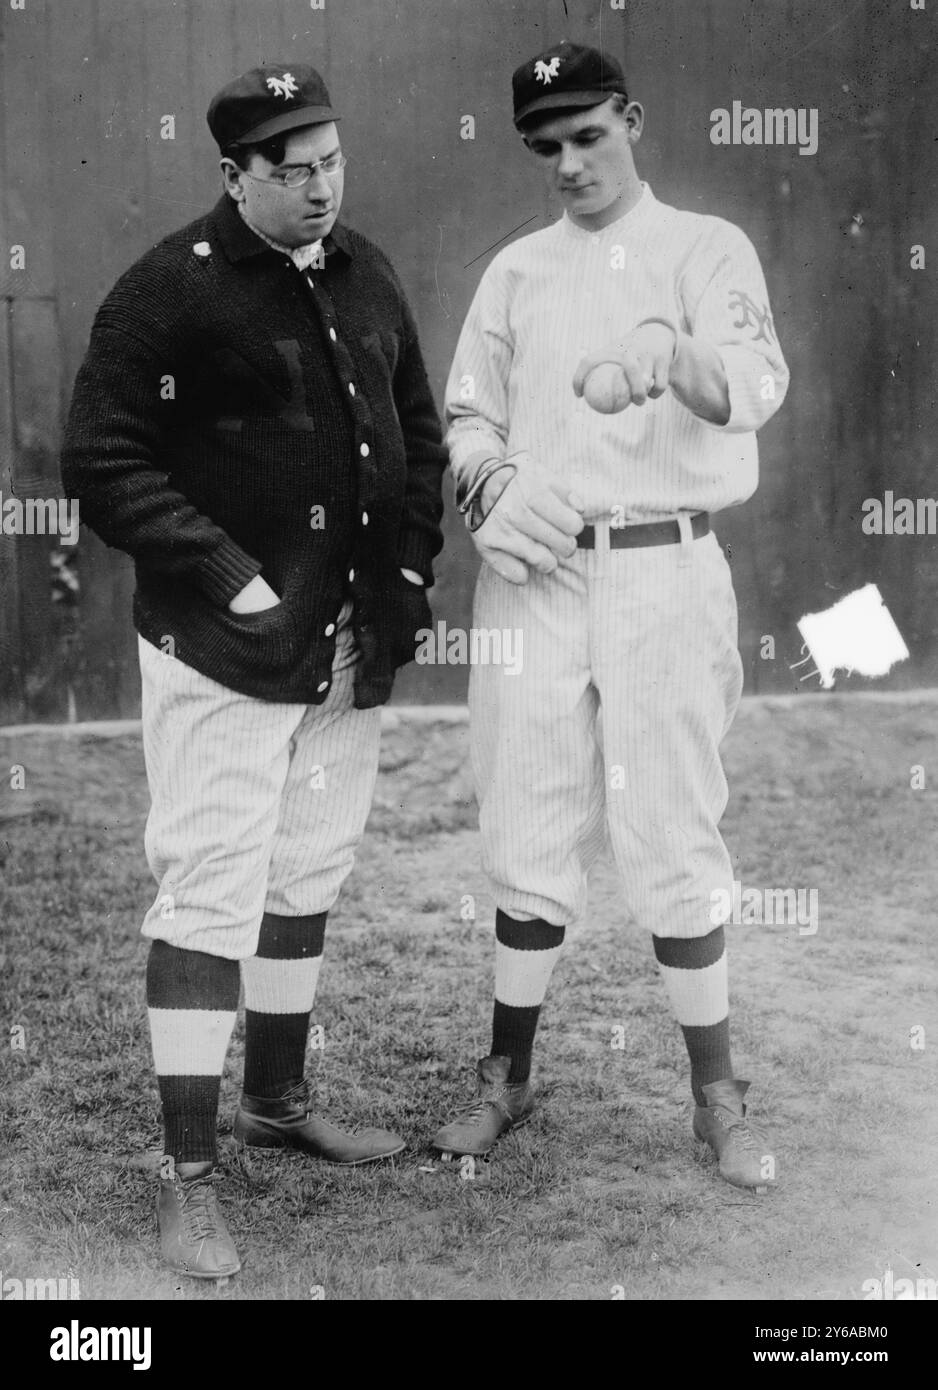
646	533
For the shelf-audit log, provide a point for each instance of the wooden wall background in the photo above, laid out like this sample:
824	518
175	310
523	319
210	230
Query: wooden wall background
87	185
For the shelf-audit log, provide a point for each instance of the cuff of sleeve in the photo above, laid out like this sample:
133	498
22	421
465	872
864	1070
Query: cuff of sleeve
226	571
416	553
754	390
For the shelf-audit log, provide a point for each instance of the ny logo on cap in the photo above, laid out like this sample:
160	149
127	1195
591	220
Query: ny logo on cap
543	72
284	86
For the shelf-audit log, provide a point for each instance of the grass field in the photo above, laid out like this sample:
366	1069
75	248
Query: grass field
606	1187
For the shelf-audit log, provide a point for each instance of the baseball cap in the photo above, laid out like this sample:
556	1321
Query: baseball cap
566	75
267	101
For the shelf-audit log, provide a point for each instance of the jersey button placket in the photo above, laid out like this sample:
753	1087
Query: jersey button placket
361	415
326	311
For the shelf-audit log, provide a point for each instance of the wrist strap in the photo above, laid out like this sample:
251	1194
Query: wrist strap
471	491
476	516
668	323
469	488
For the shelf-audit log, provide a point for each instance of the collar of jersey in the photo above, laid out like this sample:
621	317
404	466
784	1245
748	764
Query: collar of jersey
301	256
629	221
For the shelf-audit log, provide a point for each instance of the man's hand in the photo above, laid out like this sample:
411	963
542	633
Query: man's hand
254	597
534	524
641	365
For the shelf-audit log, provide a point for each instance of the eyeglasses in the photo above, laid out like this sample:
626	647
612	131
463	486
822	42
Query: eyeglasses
299	174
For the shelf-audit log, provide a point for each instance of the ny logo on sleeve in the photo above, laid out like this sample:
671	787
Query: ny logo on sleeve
750	315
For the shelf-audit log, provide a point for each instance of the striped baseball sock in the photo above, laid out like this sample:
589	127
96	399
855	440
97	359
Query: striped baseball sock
525	955
192	1003
279	989
694	974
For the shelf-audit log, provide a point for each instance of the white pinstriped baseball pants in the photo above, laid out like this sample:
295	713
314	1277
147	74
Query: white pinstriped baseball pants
256	806
631	677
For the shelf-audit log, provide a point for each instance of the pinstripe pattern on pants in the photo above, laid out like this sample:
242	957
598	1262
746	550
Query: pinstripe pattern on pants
630	681
256	805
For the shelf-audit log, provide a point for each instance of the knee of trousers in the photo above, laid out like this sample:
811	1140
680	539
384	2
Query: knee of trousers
562	910
540	885
233	934
678	896
305	895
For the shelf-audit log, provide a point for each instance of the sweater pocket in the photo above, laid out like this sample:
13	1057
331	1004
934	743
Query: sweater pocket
256	619
270	641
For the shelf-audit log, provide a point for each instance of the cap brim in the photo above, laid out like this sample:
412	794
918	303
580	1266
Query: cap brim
288	120
552	100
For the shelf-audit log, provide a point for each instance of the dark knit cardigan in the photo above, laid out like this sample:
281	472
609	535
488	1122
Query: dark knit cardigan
235	416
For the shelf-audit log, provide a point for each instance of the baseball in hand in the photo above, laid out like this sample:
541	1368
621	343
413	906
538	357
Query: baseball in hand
606	389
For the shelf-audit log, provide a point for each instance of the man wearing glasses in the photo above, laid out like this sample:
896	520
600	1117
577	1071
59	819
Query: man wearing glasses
253	424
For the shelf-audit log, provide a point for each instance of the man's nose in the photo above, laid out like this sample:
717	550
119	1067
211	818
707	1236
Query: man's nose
570	162
318	188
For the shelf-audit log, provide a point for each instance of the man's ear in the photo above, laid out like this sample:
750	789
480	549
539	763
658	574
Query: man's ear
634	116
231	177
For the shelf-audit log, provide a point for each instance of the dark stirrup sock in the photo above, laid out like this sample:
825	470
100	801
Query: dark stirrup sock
279	990
192	1003
525	956
694	974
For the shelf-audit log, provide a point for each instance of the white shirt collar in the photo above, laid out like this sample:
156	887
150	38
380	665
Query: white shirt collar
628	222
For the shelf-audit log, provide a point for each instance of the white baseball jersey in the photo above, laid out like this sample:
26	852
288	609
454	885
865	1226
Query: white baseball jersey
552	297
631	673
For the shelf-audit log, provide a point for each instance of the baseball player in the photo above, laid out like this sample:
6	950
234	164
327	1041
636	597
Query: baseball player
253	424
607	386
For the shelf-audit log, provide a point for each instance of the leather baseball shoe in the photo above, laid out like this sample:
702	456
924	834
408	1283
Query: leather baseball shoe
287	1122
743	1151
193	1236
499	1105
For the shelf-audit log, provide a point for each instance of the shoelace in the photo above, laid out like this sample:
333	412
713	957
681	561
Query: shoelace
199	1212
475	1109
297	1095
740	1128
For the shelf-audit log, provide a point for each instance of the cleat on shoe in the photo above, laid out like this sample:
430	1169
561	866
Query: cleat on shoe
741	1149
194	1239
498	1105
